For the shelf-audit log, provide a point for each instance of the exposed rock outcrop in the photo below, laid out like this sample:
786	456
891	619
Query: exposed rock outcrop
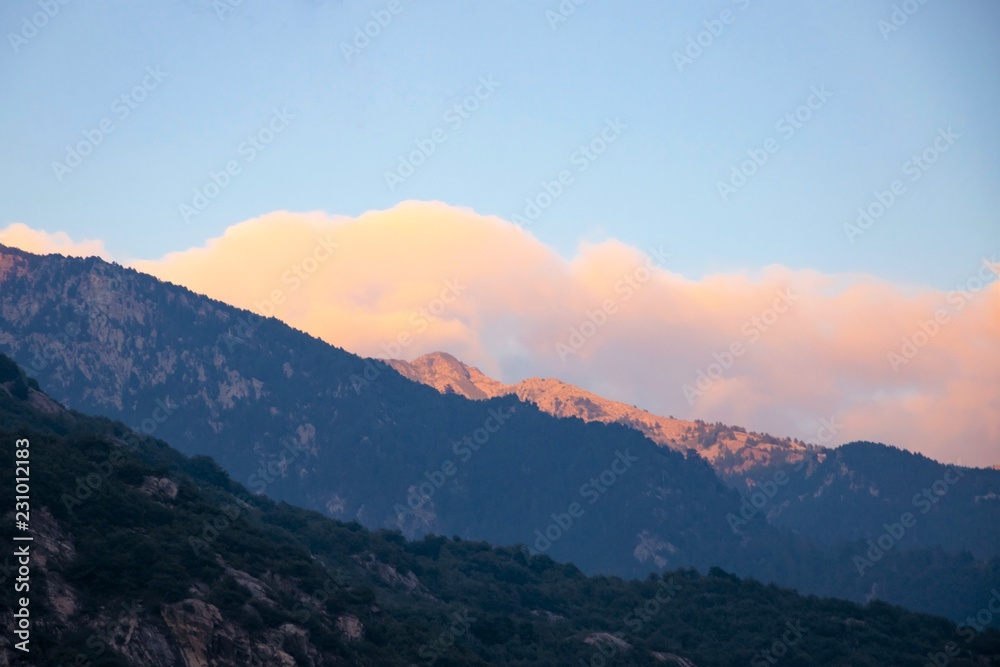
733	451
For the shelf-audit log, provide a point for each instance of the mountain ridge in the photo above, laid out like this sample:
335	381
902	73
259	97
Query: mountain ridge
311	424
735	453
165	560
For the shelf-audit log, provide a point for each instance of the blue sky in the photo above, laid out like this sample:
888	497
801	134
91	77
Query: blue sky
656	184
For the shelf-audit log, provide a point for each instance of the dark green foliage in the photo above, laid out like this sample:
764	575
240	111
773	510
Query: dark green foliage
457	602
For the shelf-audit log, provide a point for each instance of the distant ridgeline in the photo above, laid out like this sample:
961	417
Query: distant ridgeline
142	556
308	423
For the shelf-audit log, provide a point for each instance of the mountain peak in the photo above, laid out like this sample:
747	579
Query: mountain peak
733	451
449	375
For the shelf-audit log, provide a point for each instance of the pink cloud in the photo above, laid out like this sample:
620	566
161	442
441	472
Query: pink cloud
20	235
422	277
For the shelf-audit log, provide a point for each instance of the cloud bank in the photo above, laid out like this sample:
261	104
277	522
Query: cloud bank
20	235
777	351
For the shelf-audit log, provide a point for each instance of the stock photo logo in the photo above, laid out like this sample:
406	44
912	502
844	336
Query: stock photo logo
575	333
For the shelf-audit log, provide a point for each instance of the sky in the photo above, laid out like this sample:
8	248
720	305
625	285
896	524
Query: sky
843	151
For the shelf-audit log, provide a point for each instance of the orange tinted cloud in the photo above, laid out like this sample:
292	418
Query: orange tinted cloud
20	235
776	351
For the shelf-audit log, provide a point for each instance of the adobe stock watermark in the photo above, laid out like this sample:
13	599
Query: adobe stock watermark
635	619
93	313
698	43
752	504
31	25
225	7
752	330
581	158
222	521
786	127
914	168
121	108
293	277
927	329
419	493
625	287
363	35
593	490
454	118
418	322
562	12
89	484
764	492
894	532
982	619
247	151
900	15
972	626
793	634
291	449
96	643
461	623
332	586
828	429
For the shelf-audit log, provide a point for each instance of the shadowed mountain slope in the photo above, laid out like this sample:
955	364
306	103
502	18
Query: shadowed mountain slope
143	557
293	417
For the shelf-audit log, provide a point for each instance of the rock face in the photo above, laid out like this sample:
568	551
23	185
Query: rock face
671	659
598	638
201	632
449	375
350	627
192	631
733	452
162	488
205	639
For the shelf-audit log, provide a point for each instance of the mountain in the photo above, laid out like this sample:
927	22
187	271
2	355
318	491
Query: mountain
450	376
829	494
305	422
733	452
309	423
859	487
142	557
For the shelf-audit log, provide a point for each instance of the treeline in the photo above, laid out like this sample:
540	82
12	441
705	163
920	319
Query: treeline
154	531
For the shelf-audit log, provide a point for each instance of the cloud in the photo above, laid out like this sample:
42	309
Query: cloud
20	235
776	351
